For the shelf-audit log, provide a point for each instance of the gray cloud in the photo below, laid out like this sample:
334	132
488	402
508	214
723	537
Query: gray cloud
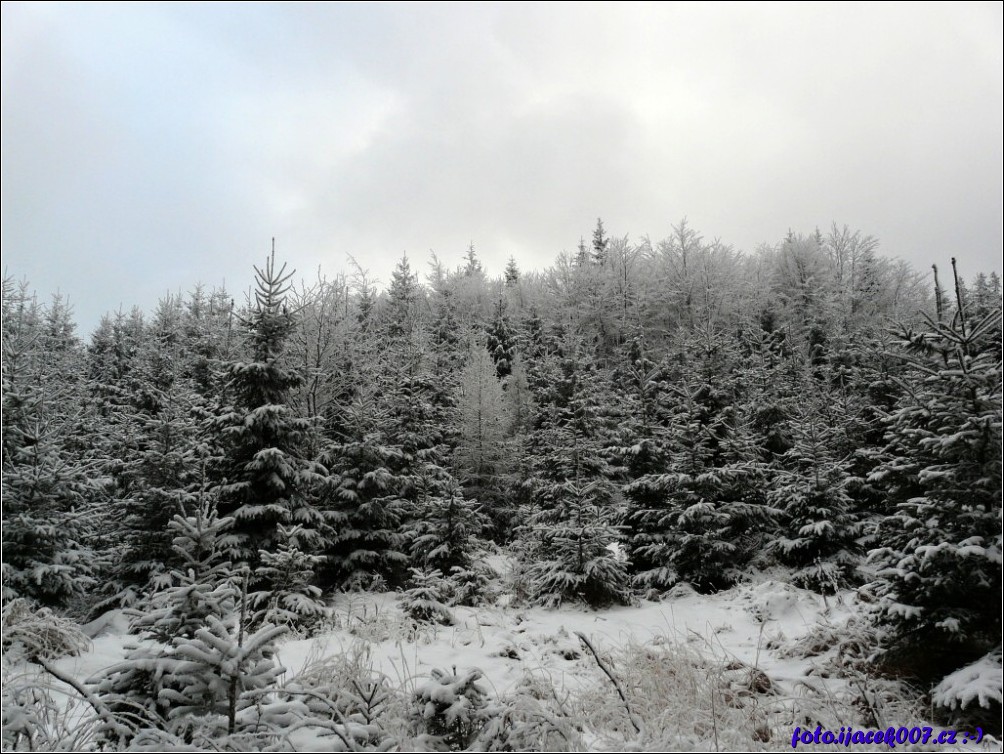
147	147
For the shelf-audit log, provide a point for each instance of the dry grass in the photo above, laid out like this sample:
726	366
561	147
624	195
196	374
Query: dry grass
31	631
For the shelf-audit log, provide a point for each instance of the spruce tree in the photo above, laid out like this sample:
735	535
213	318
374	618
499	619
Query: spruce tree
291	599
363	501
574	556
698	519
819	527
472	265
170	454
402	296
47	553
196	670
209	338
501	342
572	529
448	526
600	243
938	555
265	480
511	273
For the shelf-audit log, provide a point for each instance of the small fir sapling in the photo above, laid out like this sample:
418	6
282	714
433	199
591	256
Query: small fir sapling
451	709
446	532
289	597
194	667
425	600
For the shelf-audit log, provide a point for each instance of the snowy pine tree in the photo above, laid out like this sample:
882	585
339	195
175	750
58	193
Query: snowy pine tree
265	480
572	522
426	596
46	486
402	296
194	668
575	555
698	520
819	528
501	341
450	709
448	526
290	599
938	554
203	583
363	502
171	454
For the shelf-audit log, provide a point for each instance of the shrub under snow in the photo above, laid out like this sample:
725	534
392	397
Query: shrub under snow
39	632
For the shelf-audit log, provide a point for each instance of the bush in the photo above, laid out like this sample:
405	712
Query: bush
353	706
425	601
39	632
450	709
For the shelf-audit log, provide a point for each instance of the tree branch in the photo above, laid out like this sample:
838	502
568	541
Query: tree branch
613	680
99	707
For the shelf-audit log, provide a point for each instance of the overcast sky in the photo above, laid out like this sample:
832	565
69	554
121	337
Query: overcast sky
147	147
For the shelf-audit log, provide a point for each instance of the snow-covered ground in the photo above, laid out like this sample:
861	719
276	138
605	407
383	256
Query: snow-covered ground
738	669
506	642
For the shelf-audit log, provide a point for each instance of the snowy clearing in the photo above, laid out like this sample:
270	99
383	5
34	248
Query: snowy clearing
736	670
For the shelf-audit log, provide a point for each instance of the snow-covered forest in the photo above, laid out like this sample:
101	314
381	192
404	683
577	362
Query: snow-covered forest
490	510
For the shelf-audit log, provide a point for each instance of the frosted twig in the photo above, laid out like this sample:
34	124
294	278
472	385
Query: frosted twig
613	680
99	707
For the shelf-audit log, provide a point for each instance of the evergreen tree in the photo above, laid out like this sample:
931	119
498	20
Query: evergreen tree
819	528
113	358
209	338
425	599
448	526
582	255
450	710
575	555
511	273
393	433
698	520
640	386
166	480
364	505
291	598
170	455
985	296
119	400
264	478
46	489
203	583
446	338
402	296
600	243
501	342
472	265
572	526
196	670
571	431
939	550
